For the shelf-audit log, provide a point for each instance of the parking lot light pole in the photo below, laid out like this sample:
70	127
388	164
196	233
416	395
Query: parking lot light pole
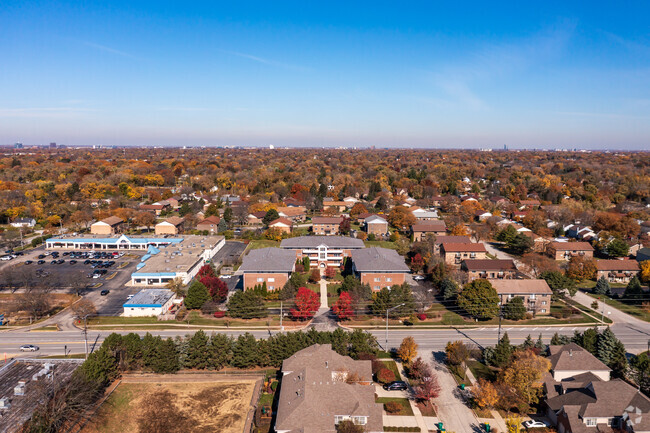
387	310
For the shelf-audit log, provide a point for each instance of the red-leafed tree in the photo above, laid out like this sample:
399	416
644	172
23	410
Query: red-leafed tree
330	272
427	389
217	288
343	307
307	303
206	270
417	263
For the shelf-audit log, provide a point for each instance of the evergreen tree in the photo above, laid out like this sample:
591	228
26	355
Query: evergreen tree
503	351
167	360
271	215
559	283
559	340
244	352
528	343
611	351
227	215
633	290
514	309
602	287
197	295
219	351
246	305
539	344
100	367
589	340
449	289
362	342
197	351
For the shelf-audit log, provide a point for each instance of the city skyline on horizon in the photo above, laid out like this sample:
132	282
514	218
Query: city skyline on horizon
293	75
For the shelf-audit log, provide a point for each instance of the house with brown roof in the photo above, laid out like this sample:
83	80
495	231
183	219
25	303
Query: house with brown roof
270	266
326	226
376	225
319	390
379	267
455	253
171	226
210	224
107	226
293	213
255	218
338	204
419	231
156	208
535	293
529	204
498	269
566	250
617	271
283	224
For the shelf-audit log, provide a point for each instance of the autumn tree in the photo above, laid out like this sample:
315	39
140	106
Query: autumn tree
417	263
524	375
357	209
485	394
457	353
407	350
581	268
560	284
479	299
645	271
343	306
307	304
83	308
427	389
401	217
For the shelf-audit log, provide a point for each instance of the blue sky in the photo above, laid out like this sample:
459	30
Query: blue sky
419	74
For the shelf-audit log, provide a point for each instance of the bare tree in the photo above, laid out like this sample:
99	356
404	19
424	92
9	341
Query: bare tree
83	308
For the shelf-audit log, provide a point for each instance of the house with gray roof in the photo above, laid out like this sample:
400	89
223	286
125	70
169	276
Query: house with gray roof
379	267
321	388
323	251
376	225
270	266
149	302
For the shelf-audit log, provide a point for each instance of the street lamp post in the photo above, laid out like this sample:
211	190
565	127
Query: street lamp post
387	311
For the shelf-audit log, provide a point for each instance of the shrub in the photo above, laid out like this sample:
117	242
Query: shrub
385	376
393	407
422	316
219	314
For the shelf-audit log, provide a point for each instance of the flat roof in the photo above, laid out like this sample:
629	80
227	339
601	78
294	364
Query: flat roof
114	239
178	257
150	298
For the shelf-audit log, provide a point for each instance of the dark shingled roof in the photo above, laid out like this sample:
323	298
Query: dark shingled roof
489	265
375	259
269	260
462	247
572	357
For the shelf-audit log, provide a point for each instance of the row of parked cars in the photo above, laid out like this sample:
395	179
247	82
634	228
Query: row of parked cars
10	255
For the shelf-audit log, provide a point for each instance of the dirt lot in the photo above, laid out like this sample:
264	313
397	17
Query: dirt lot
193	403
9	305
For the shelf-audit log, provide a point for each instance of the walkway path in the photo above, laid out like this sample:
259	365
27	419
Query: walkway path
323	293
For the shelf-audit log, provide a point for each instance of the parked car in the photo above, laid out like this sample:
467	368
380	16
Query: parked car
418	277
535	424
104	292
397	385
128	298
28	262
72	262
40	262
28	348
5	258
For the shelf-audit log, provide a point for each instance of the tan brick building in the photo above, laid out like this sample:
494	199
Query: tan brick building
419	231
376	225
566	250
379	267
536	294
107	226
497	269
455	253
272	266
326	226
282	224
171	226
323	251
617	271
210	224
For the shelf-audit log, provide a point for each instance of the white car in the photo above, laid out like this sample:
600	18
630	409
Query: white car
418	277
128	298
535	424
5	258
28	348
225	276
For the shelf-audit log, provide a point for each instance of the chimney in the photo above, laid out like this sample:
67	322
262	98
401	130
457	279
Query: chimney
570	352
327	364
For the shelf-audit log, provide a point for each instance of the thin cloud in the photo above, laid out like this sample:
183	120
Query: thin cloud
43	112
265	61
109	50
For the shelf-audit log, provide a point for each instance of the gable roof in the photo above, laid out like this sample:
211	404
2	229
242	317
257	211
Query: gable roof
314	390
489	265
326	220
521	287
376	259
173	220
572	357
430	226
302	242
112	220
281	221
453	239
463	247
375	219
572	246
213	219
617	265
268	260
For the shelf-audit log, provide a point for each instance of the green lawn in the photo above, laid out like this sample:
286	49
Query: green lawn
480	370
632	310
406	406
262	243
382	244
456	372
195	319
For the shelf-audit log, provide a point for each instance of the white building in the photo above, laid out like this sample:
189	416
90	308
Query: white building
149	302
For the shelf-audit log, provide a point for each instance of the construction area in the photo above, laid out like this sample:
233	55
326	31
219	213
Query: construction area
26	383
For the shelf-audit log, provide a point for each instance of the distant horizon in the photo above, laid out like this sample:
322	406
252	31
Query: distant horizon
295	74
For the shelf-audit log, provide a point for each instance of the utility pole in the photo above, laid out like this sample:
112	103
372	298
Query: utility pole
86	334
387	310
281	329
500	314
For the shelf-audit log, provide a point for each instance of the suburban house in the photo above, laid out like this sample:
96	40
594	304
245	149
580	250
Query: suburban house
326	225
424	215
171	226
272	266
566	250
317	393
293	213
379	267
642	255
536	293
481	215
23	222
283	224
376	225
580	232
156	208
498	269
149	302
455	253
617	271
210	224
338	204
580	397
419	231
529	204
322	251
255	218
450	239
107	226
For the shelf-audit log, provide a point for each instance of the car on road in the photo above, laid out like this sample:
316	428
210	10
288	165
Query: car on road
28	348
225	276
5	258
104	292
53	262
535	424
396	385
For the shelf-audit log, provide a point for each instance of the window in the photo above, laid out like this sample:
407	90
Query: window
360	420
532	297
271	288
260	279
543	310
377	280
543	302
388	280
377	287
590	422
271	280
